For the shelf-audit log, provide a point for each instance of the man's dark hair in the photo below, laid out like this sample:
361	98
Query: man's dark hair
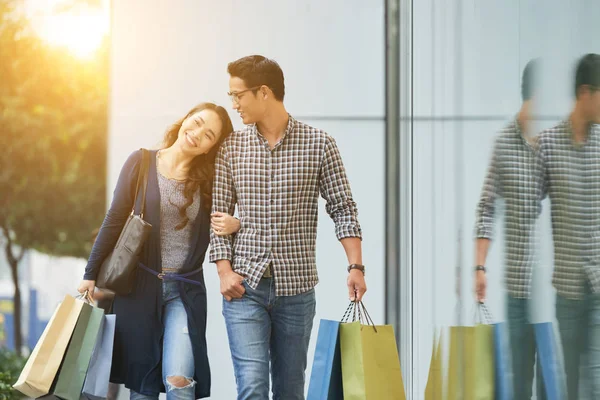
530	79
587	72
257	71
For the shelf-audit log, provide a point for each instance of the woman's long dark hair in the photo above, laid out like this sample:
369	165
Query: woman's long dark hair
202	170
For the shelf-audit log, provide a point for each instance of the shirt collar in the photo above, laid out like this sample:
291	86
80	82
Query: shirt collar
519	132
592	134
288	130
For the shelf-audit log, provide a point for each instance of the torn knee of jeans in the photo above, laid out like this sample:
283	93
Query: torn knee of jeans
179	382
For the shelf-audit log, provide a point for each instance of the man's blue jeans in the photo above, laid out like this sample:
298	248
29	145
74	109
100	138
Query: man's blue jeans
266	329
579	326
523	348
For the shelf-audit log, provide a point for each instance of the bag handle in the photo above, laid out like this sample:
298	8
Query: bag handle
142	180
359	313
483	314
86	297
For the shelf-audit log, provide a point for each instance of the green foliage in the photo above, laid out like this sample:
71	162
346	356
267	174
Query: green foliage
53	124
10	368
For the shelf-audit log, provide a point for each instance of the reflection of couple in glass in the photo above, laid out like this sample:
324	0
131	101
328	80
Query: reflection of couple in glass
273	170
562	163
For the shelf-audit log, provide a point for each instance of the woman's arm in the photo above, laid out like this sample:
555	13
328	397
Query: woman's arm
117	215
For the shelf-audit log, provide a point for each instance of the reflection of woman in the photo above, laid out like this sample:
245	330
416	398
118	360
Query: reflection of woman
161	325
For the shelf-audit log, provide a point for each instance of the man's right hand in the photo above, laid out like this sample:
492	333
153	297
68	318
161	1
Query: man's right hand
231	283
480	285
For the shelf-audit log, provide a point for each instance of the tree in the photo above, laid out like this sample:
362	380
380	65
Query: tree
53	124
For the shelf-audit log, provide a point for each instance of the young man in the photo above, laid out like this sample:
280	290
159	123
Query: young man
570	159
513	175
274	171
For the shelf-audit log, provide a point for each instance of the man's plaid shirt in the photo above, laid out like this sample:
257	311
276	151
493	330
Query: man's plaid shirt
276	192
513	175
571	175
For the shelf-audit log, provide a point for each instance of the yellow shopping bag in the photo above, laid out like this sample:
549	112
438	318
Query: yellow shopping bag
370	363
471	369
435	383
43	363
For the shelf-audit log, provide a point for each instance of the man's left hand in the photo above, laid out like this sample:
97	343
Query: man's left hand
356	285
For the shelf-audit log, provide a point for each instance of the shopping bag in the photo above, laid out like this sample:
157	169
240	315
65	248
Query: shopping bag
479	362
434	390
471	370
44	362
548	351
370	363
98	374
456	363
71	376
326	376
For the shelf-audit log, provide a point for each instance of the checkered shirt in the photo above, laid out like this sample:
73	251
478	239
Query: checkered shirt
276	192
513	175
572	181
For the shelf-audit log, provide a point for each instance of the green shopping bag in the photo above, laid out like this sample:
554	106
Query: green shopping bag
370	363
471	370
70	379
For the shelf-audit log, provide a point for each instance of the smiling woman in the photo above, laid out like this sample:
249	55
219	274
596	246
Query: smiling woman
74	25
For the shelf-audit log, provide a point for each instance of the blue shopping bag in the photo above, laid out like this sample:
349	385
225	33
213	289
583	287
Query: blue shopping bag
326	376
503	370
548	356
98	374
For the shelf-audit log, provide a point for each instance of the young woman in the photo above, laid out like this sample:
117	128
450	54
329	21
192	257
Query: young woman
160	343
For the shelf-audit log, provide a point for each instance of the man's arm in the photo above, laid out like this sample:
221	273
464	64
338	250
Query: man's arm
224	198
484	225
335	189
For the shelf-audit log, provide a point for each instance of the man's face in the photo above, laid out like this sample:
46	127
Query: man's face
594	106
588	101
250	106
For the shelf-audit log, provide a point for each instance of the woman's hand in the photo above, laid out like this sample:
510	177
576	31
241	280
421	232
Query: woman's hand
224	224
87	285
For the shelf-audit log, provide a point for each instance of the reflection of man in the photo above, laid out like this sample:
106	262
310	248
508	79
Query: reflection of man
570	156
274	170
512	175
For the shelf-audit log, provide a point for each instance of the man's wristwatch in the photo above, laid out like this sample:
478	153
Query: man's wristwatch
480	268
359	267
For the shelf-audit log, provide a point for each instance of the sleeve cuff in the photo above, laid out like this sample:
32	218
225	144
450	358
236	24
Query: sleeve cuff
220	254
483	233
349	232
89	276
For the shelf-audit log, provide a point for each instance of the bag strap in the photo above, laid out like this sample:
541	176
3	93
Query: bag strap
142	180
483	314
358	312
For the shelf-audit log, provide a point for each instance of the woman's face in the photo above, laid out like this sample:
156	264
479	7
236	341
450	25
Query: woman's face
199	132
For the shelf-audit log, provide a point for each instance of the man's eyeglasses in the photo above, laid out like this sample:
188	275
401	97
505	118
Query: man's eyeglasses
235	96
